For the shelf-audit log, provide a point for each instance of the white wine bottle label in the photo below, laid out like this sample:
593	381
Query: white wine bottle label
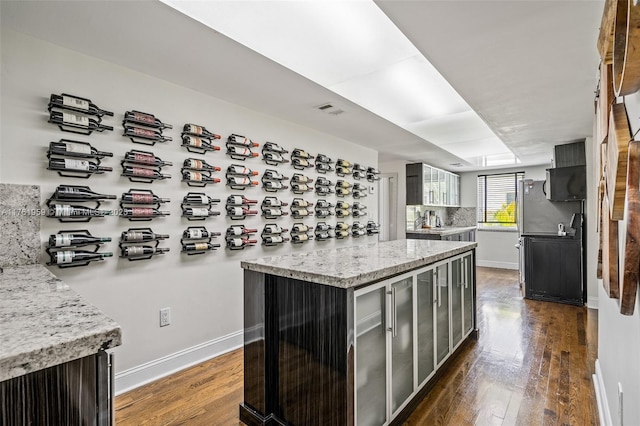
65	257
195	176
76	164
303	163
303	203
239	170
274	157
75	119
201	246
195	129
197	142
273	212
236	242
75	103
195	164
240	151
134	251
276	239
134	236
301	228
235	230
63	240
302	187
274	185
303	212
237	211
77	147
199	211
272	229
195	233
303	237
63	210
235	199
241	181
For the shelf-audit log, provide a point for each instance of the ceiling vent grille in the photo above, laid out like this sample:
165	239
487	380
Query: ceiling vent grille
330	109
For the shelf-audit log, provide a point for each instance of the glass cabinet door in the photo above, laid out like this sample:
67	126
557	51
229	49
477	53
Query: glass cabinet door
371	358
426	349
427	194
467	291
442	180
401	342
435	187
442	312
457	278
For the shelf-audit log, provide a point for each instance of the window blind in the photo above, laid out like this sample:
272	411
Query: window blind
497	198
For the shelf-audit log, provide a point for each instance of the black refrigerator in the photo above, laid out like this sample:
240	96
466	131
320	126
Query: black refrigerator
551	245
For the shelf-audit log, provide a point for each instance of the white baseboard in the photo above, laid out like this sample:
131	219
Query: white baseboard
592	302
601	397
161	367
499	265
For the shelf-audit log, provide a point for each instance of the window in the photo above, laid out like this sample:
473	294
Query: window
497	200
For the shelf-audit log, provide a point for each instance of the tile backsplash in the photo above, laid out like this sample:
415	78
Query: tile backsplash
451	216
20	213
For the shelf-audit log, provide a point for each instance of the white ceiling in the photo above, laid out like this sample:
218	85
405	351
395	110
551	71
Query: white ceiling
528	68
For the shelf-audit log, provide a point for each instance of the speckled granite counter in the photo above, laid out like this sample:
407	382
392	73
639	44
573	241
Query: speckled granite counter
44	323
449	230
353	266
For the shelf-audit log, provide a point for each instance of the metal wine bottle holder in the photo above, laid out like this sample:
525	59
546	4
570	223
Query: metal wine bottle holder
141	165
185	205
294	233
358	229
372	174
228	237
320	228
264	207
237	217
127	204
67	126
266	149
207	240
373	228
341	226
51	250
271	179
266	233
323	164
196	183
124	244
145	132
71	107
57	199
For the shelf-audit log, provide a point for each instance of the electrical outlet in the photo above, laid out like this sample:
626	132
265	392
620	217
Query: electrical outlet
165	317
620	410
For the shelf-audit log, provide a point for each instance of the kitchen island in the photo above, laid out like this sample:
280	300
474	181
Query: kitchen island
446	233
353	335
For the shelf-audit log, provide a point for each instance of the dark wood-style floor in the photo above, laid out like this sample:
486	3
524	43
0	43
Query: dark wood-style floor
532	365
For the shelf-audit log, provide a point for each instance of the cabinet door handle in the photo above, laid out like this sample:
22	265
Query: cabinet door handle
439	291
394	324
389	314
112	390
465	273
435	287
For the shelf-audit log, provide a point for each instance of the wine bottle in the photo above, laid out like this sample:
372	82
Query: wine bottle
323	167
358	232
321	158
359	194
299	202
300	162
359	206
343	184
274	185
195	198
200	131
145	159
274	147
373	171
299	228
342	234
322	181
235	230
343	163
372	177
358	168
274	174
240	242
75	120
342	192
322	235
66	210
273	157
273	211
343	171
142	198
241	140
137	212
199	212
323	212
198	177
239	200
301	154
273	202
322	227
237	169
358	174
138	251
298	178
70	239
140	236
342	205
324	204
324	190
72	192
201	165
198	233
273	228
300	212
195	142
150	134
239	151
240	211
358	225
73	165
359	213
76	149
341	226
141	172
199	246
372	227
76	256
342	213
274	239
146	119
300	187
76	103
299	238
241	181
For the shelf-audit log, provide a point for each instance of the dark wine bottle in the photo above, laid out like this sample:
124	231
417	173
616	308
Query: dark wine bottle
198	177
236	230
150	134
322	181
323	167
66	210
359	213
142	198
322	227
199	212
199	131
299	202
359	206
240	211
146	159
239	151
298	178
274	239
67	118
241	181
300	153
358	168
140	236
299	227
273	202
323	212
343	171
140	172
358	225
73	165
72	192
77	256
198	233
373	171
199	143
70	239
301	163
138	251
145	119
342	205
199	246
143	212
300	187
273	228
237	169
238	200
322	235
300	212
76	103
271	185
343	163
343	184
342	192
273	157
321	158
358	232
241	140
342	213
341	226
357	174
274	174
195	164
240	242
359	194
76	149
324	204
201	199
274	147
324	190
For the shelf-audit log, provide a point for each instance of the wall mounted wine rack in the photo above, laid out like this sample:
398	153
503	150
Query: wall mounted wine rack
197	240
141	244
63	246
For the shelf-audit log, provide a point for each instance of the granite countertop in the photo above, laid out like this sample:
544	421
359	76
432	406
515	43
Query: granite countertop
445	230
44	323
357	265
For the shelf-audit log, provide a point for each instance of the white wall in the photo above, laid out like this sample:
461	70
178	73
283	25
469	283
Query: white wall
398	167
204	292
619	335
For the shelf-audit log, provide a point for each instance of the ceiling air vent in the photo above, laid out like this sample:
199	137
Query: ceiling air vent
330	109
456	164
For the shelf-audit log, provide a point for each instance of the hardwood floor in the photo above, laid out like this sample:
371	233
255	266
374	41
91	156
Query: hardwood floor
532	365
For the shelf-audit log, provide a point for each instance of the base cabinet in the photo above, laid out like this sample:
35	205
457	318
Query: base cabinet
461	236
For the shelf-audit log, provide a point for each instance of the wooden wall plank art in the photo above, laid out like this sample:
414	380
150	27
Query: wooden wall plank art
599	230
616	163
610	258
631	268
604	100
605	38
626	48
